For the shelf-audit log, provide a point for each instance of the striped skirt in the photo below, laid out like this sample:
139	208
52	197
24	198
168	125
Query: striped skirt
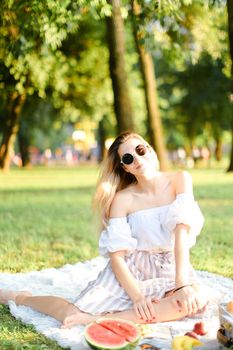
154	273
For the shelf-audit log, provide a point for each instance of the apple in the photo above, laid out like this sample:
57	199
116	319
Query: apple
192	335
200	328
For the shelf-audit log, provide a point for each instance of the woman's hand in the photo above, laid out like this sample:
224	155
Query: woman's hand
143	306
187	298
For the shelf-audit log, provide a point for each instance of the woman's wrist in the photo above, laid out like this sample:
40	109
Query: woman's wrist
136	297
181	282
181	287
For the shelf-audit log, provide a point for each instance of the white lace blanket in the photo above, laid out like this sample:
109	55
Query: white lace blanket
69	280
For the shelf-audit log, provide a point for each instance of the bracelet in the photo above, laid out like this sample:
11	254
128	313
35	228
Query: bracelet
186	285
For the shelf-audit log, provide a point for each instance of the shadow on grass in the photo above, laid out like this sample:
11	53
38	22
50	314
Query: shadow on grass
81	189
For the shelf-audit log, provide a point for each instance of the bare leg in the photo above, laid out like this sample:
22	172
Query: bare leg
53	306
166	310
70	315
6	295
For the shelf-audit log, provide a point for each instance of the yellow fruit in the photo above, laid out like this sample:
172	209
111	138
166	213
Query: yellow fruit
230	307
188	344
183	342
177	343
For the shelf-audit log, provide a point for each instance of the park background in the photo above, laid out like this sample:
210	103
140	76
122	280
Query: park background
73	74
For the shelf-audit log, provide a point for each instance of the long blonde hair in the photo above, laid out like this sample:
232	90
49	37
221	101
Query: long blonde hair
113	177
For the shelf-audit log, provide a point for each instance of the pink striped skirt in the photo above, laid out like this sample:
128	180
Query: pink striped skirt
154	273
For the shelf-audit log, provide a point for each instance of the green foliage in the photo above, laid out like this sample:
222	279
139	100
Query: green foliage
31	34
196	109
188	41
55	51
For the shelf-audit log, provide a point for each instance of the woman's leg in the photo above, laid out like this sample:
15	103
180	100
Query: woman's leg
165	310
70	315
53	306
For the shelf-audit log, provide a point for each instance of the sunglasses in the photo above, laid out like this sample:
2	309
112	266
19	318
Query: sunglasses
128	158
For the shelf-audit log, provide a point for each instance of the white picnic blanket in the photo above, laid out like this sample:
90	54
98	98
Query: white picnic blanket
69	280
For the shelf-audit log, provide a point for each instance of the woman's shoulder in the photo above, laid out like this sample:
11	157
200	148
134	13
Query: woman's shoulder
121	203
181	181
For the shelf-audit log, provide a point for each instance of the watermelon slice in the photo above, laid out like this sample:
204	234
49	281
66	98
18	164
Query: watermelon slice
112	334
126	329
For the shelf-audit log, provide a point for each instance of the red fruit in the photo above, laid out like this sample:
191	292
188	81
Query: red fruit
192	335
200	328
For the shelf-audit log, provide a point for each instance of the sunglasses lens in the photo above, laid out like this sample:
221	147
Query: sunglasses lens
127	158
140	150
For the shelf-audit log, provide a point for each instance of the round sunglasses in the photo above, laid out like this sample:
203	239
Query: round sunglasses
128	158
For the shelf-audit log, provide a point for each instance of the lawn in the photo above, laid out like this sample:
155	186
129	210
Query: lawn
46	221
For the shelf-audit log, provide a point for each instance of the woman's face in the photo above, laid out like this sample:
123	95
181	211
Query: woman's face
141	156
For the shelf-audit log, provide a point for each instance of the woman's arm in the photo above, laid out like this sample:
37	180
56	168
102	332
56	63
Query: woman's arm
124	276
119	208
181	251
187	295
142	306
183	184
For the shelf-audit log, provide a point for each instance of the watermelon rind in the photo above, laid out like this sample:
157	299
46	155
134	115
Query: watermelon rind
133	340
95	344
98	347
127	345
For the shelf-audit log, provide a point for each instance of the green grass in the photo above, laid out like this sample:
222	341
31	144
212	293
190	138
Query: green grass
214	191
46	221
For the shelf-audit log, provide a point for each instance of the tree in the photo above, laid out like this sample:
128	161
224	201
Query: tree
199	112
230	34
182	31
148	74
30	34
26	47
115	37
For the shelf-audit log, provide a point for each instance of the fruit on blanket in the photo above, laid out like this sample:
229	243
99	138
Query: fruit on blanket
230	307
190	343
126	329
192	335
114	334
184	342
200	328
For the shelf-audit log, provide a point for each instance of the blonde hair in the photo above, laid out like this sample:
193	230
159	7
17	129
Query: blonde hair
113	177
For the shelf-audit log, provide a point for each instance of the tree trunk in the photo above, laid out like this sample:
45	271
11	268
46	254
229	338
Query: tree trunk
102	139
218	149
11	129
24	144
116	43
230	34
153	114
230	168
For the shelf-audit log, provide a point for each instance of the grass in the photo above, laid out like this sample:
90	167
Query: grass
46	221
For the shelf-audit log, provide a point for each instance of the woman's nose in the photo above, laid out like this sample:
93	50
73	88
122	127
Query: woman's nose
135	158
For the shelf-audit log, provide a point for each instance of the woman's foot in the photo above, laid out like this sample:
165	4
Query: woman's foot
78	318
7	295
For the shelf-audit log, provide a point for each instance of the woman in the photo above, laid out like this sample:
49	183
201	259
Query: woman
150	222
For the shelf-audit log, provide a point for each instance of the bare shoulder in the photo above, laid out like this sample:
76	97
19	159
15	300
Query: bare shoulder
121	203
182	182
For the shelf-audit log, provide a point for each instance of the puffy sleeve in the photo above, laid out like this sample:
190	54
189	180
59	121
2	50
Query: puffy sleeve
117	236
185	210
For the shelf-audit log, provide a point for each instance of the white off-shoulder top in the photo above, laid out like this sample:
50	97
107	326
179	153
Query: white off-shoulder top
152	229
